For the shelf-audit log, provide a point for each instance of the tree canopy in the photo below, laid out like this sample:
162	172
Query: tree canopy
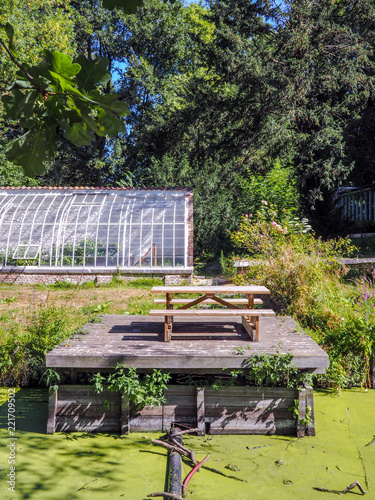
223	97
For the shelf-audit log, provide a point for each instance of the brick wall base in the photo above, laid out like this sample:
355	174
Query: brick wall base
77	279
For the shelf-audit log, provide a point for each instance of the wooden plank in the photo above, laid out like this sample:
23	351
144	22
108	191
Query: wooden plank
201	417
238	413
138	341
71	424
165	410
213	312
175	362
180	390
52	403
88	411
194	302
214	289
287	430
208	301
247	405
86	401
146	424
85	391
257	393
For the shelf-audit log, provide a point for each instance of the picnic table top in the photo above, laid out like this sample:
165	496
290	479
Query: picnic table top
212	289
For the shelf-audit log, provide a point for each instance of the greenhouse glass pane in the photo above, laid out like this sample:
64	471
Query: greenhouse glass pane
126	228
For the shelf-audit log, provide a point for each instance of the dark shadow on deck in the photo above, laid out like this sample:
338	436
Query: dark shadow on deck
185	330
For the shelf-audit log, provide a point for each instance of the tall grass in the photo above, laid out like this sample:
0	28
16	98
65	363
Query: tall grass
23	348
308	282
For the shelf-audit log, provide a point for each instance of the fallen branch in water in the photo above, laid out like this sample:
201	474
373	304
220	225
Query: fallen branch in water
179	445
353	485
346	490
212	469
371	442
170	447
83	487
164	494
174	445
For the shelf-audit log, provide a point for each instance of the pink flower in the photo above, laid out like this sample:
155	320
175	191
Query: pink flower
274	223
264	202
250	215
246	216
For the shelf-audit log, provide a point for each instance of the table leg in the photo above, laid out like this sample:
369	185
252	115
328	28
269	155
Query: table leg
168	321
250	301
256	339
251	325
167	328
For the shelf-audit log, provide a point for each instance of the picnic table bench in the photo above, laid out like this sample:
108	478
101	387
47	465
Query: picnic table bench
210	295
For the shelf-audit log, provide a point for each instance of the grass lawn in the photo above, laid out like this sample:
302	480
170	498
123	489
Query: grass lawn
19	301
89	466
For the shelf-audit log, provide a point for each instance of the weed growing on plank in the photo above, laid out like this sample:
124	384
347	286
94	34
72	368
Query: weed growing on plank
142	390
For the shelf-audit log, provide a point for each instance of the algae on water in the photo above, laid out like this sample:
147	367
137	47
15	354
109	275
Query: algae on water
96	467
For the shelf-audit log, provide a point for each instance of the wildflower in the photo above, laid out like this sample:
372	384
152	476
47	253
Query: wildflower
264	202
250	215
274	223
14	352
246	216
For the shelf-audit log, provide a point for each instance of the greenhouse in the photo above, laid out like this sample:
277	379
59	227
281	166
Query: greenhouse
96	230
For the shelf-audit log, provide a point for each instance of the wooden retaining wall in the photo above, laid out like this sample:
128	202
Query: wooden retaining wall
230	410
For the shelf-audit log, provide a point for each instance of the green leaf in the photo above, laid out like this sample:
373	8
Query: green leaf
19	103
109	102
79	134
109	125
21	84
128	6
61	63
66	84
93	72
32	149
9	30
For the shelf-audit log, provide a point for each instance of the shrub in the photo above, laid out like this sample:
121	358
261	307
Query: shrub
306	280
23	352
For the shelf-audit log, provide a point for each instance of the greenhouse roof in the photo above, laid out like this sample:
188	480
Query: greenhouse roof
96	229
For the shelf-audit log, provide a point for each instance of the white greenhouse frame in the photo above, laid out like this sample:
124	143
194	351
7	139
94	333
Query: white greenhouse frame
96	230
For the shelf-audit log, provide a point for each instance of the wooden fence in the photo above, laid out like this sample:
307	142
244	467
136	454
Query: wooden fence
230	410
358	204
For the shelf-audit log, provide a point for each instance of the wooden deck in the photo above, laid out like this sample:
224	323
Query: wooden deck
197	347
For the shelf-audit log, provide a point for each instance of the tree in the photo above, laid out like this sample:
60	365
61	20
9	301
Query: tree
326	66
58	93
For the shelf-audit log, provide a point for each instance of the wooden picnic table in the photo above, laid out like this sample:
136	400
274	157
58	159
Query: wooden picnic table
211	294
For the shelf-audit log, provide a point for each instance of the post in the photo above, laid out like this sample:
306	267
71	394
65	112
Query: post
301	413
168	319
52	407
310	427
201	417
125	417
